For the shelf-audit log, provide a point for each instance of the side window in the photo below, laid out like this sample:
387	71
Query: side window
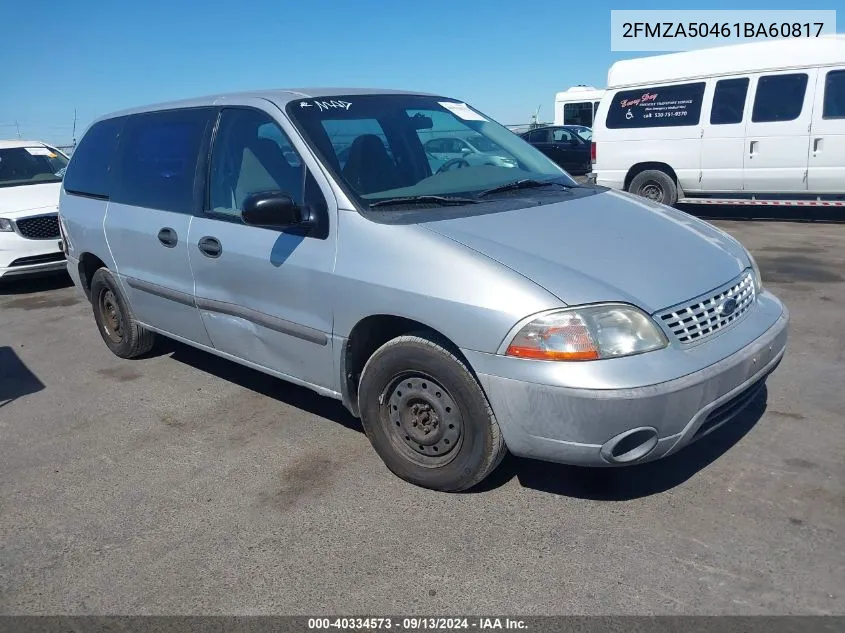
90	169
662	106
562	135
251	154
779	98
273	132
157	159
834	95
729	101
539	136
434	146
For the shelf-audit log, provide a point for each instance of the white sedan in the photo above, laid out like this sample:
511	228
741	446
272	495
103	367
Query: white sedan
451	151
30	180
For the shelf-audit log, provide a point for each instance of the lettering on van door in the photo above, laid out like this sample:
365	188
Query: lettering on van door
661	106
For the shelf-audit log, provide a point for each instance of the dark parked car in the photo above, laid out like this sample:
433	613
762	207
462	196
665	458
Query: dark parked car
562	144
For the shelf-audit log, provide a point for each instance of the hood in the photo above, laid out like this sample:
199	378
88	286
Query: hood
607	246
19	201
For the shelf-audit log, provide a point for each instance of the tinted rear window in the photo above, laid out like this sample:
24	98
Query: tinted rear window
662	106
90	169
779	98
158	159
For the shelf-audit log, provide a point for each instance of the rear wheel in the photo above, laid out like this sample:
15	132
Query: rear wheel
122	334
655	185
426	415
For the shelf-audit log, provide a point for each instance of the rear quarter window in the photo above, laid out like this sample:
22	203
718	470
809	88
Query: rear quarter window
661	106
90	170
158	157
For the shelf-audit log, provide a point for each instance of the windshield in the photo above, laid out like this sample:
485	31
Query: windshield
391	145
31	166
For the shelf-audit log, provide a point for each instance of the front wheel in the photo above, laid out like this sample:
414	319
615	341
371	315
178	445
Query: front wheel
426	415
655	185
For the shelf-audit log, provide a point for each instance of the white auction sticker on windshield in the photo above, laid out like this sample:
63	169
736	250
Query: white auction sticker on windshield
40	151
462	110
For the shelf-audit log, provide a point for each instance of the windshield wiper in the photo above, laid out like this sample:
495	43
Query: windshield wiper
525	183
439	200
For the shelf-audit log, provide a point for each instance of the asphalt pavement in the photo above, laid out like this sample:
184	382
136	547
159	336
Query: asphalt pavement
184	484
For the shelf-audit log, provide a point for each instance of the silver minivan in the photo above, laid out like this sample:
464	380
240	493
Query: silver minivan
459	309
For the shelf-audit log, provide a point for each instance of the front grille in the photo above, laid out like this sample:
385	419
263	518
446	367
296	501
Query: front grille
37	259
729	409
42	227
706	315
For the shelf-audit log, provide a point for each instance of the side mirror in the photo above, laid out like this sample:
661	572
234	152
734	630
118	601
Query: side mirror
466	150
271	209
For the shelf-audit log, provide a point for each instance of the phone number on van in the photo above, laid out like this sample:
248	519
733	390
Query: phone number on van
724	29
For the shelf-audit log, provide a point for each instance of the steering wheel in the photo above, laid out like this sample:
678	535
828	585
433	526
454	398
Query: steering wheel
463	162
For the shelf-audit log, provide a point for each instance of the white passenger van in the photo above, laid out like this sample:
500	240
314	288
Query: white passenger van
759	123
577	106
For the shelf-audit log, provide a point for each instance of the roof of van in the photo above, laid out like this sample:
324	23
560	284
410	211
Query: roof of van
580	93
11	144
279	96
724	60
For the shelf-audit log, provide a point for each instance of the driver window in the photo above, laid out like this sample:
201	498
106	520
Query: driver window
251	154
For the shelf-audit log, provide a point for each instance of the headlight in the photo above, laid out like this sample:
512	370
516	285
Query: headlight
5	225
588	333
758	278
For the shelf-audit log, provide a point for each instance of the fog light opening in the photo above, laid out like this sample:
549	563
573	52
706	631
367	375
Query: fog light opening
630	445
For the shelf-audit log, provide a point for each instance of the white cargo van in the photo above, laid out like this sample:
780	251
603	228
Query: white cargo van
760	123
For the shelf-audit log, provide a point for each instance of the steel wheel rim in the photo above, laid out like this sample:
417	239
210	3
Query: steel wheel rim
652	191
111	316
424	422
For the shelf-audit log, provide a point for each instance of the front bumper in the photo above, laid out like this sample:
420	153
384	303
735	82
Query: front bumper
22	256
561	421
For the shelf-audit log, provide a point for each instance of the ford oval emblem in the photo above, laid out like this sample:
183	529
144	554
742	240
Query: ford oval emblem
728	307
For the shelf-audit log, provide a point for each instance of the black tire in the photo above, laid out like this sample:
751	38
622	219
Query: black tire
655	185
465	443
122	334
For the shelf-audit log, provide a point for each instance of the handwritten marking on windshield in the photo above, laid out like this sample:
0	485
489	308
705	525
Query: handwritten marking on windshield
332	104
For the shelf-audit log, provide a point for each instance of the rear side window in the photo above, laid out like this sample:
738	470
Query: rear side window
729	101
90	170
662	106
158	159
779	98
578	113
539	136
834	95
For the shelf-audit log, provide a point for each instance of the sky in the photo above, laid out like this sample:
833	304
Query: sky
505	58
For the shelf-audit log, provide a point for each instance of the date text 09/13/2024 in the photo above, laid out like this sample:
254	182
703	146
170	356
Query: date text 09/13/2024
414	623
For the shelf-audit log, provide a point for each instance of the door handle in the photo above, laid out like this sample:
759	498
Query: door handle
210	246
752	149
168	237
818	145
